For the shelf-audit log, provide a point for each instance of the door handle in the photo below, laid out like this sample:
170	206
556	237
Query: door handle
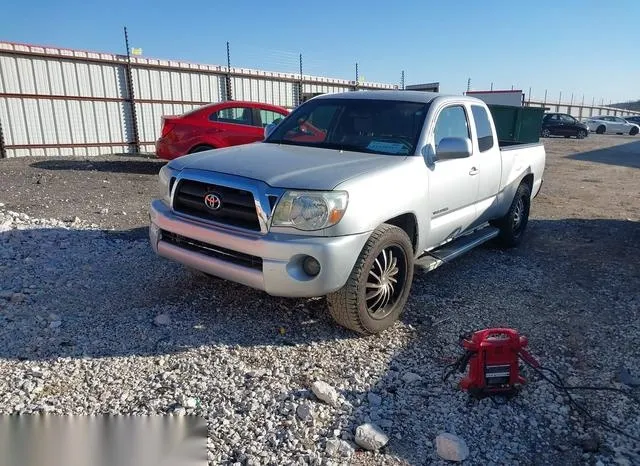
473	171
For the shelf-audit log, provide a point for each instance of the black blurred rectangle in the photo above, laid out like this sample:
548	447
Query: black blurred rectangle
102	440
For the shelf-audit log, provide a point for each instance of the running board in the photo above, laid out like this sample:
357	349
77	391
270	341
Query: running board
450	251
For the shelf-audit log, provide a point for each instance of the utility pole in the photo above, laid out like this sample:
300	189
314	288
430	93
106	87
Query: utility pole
402	81
130	96
468	84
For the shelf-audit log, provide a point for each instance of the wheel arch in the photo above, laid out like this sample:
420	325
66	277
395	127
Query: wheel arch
408	222
201	145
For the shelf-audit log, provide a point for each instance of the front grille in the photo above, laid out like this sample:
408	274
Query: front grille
210	250
238	206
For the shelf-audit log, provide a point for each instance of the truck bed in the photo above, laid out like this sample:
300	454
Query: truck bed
511	145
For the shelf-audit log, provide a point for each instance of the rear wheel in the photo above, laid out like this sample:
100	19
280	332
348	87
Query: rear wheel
514	223
600	129
581	134
546	133
633	131
201	148
378	287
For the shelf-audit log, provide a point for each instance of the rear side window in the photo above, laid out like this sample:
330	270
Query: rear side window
236	115
483	128
451	123
267	117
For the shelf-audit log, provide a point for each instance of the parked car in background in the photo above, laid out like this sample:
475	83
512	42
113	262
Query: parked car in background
611	124
224	124
633	119
562	124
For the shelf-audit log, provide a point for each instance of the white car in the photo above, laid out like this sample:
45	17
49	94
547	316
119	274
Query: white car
611	124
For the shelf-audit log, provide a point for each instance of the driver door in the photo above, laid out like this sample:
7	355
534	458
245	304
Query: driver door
453	184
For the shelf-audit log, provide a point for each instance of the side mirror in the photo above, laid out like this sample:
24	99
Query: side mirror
269	129
453	148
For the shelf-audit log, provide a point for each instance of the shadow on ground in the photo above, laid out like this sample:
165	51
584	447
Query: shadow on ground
623	155
140	167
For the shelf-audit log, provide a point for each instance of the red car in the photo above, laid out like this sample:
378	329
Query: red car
214	126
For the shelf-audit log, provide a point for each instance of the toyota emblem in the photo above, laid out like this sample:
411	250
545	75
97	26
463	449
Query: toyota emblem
212	201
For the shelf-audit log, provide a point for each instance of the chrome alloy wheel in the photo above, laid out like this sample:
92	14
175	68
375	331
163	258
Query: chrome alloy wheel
386	281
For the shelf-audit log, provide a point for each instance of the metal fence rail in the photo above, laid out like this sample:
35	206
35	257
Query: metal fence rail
57	101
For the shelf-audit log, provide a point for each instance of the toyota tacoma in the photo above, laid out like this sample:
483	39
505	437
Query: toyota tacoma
345	196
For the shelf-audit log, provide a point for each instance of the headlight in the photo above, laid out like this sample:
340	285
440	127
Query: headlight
310	210
163	183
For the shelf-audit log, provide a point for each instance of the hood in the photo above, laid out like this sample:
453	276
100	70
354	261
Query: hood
287	166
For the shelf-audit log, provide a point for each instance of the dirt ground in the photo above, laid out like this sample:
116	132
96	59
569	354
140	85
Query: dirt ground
592	178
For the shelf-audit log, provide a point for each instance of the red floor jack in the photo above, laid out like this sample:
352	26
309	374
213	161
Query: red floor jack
492	355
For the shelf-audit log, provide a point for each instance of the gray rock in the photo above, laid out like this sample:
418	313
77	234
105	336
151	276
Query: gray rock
371	437
625	377
411	377
304	412
374	400
385	423
451	447
17	298
179	411
325	392
104	211
332	446
622	461
190	403
55	324
162	319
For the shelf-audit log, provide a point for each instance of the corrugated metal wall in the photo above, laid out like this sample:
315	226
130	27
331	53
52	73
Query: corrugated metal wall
71	102
582	111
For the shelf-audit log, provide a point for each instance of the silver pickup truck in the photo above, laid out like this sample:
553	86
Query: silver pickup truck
345	196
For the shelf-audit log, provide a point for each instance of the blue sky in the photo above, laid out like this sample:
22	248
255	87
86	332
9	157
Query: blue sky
581	47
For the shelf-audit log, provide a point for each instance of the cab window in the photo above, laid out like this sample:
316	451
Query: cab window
483	128
451	123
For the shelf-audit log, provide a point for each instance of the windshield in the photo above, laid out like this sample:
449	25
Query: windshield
388	127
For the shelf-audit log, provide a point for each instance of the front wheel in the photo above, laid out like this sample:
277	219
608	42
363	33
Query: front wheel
581	134
378	287
600	129
514	223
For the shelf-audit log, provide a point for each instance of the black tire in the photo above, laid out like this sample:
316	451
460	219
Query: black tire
633	131
581	134
514	223
600	129
201	148
567	136
350	306
546	133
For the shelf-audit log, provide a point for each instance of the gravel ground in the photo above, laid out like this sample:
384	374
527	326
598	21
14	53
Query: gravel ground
92	322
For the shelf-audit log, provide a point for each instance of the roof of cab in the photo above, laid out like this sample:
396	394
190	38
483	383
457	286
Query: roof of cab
407	96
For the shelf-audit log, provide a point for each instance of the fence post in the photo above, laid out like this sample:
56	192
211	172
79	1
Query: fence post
229	93
3	152
131	98
301	84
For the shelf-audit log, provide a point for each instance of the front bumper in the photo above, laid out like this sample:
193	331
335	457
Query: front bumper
280	273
